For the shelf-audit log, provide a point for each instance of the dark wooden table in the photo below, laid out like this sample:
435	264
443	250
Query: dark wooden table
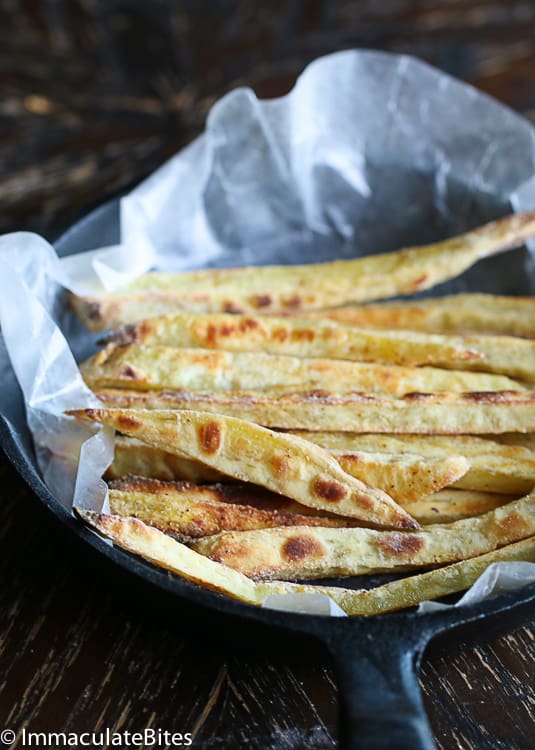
94	95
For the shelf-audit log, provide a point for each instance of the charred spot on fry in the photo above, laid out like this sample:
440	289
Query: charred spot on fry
128	422
404	545
233	308
328	490
300	547
210	436
262	300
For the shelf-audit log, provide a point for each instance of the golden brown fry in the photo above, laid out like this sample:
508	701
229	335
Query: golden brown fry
493	467
515	439
405	477
416	413
192	510
281	463
292	288
507	355
162	550
434	584
160	367
165	552
132	456
452	314
189	510
235	493
451	505
298	338
300	553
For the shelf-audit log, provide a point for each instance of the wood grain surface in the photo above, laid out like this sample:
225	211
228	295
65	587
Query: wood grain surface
94	95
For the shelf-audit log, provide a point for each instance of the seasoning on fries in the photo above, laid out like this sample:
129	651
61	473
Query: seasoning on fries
280	437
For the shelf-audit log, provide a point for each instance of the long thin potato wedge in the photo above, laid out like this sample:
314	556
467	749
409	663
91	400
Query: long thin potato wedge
513	438
493	467
292	288
233	493
281	463
156	547
134	457
165	552
451	505
298	338
506	355
161	367
405	477
417	413
452	314
296	553
191	511
410	591
441	507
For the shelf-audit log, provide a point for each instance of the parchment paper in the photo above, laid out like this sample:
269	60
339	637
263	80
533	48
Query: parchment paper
369	152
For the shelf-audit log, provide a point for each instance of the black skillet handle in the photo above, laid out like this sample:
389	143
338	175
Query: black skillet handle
381	706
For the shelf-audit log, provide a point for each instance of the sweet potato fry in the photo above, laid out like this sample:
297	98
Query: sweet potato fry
281	463
291	288
295	553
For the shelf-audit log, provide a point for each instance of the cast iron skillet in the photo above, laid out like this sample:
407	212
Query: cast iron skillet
376	658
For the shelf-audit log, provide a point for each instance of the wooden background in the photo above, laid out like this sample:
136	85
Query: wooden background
94	94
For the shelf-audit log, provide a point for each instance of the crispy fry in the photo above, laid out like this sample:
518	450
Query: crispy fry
235	493
451	505
452	314
416	413
284	288
188	510
513	438
506	355
160	367
320	553
161	550
405	477
132	456
297	338
191	510
407	592
281	463
493	467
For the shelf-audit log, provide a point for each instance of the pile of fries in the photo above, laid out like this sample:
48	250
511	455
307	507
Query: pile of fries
273	428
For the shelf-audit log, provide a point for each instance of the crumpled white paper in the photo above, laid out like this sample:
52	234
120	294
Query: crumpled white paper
497	579
369	152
